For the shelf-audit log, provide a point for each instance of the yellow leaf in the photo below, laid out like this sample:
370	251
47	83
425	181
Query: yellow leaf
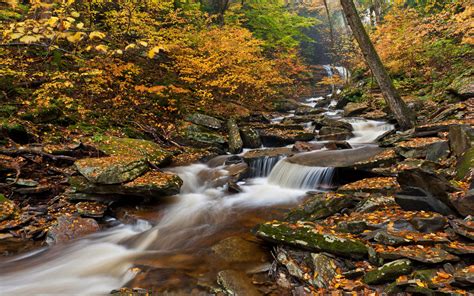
130	46
155	50
16	35
143	43
101	48
80	25
29	39
75	14
96	35
53	21
76	37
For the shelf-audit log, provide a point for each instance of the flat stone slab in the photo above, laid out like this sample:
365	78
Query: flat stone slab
335	158
112	169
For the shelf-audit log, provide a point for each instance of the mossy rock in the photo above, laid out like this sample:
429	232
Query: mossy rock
463	86
44	115
465	163
147	150
319	206
15	131
205	120
7	110
112	169
285	105
235	141
195	133
7	208
388	272
306	237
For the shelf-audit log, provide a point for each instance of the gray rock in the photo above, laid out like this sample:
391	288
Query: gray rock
388	272
354	109
463	86
437	151
235	142
416	199
459	140
205	120
112	169
324	270
236	283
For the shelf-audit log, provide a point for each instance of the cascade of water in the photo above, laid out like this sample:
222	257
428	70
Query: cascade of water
292	175
262	166
367	131
343	73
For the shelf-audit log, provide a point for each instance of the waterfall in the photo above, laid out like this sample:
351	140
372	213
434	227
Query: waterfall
262	166
367	131
343	73
290	175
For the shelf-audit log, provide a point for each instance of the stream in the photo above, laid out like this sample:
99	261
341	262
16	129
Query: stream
175	250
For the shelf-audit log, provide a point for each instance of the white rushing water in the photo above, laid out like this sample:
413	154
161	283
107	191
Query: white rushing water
99	263
292	175
367	131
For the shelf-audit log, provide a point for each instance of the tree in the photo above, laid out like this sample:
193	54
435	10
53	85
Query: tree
403	115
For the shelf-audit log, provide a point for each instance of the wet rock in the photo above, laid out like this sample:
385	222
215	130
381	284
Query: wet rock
112	169
419	253
324	121
68	228
374	202
459	140
435	185
152	184
463	86
417	147
354	109
383	185
354	227
236	283
91	209
458	248
388	272
335	158
336	145
385	238
7	208
306	237
273	137
430	224
437	151
147	150
237	250
416	199
465	276
235	142
205	120
385	158
250	138
306	110
334	133
464	228
271	152
432	129
285	105
237	171
305	146
464	202
320	205
324	270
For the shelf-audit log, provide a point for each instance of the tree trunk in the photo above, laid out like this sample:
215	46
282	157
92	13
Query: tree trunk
403	115
331	30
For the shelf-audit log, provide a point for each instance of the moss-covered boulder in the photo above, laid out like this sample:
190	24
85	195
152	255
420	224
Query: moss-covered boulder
463	86
276	136
235	141
308	237
112	169
15	131
465	164
201	136
285	105
388	272
44	115
147	150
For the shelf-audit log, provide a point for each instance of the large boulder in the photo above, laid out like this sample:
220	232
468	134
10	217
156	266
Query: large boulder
235	141
273	137
324	121
147	150
152	184
205	120
202	137
463	86
112	169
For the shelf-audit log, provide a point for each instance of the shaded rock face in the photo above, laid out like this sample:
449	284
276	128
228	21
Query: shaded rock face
112	169
152	184
335	158
250	138
459	140
416	199
465	164
388	272
464	204
69	228
235	141
463	86
205	120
